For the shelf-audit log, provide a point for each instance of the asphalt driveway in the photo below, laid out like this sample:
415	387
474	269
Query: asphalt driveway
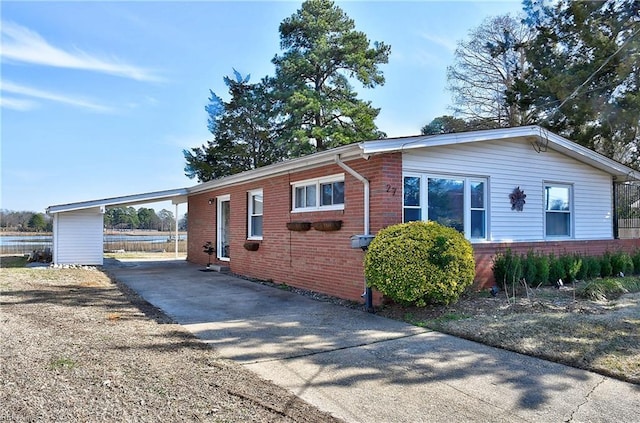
365	368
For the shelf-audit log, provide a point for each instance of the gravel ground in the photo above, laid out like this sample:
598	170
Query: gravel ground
77	347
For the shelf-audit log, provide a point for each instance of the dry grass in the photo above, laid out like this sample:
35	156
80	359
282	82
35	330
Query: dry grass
77	347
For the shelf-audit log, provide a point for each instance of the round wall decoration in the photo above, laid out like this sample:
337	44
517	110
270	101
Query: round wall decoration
517	199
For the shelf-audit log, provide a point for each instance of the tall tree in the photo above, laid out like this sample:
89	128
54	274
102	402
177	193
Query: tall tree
121	218
147	218
37	222
245	132
485	68
166	220
323	52
585	73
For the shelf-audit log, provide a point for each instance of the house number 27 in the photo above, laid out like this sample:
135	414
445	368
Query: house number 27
391	189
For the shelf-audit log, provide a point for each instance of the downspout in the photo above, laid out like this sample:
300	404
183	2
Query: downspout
365	182
367	294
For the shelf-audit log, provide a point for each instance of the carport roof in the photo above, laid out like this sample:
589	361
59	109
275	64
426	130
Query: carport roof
177	196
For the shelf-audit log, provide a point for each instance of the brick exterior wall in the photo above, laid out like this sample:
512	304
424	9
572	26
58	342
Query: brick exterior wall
315	260
324	261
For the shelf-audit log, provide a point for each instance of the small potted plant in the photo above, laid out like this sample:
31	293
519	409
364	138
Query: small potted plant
209	249
327	225
251	246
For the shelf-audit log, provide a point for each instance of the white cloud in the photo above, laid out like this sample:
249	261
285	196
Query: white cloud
187	141
17	104
10	87
444	42
20	44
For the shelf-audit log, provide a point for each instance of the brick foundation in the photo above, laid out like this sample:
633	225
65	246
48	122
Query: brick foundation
484	253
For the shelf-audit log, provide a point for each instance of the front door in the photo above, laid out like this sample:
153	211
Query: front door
224	237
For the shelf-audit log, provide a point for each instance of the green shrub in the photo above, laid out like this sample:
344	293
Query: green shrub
635	258
499	266
606	269
621	262
530	268
571	265
507	268
542	263
419	263
556	269
592	266
581	274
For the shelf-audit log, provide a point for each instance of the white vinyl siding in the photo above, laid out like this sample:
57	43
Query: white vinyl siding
509	164
78	237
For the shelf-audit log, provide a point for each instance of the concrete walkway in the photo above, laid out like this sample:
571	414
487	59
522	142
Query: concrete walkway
365	368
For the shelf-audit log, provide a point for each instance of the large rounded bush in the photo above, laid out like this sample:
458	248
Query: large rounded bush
419	263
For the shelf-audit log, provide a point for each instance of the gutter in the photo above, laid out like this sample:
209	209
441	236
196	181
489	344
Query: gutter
365	182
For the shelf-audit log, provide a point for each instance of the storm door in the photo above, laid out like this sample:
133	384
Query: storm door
224	237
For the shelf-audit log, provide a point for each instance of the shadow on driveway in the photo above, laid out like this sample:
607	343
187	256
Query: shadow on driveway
362	367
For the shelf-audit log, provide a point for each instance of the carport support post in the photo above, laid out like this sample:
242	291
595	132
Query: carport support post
176	222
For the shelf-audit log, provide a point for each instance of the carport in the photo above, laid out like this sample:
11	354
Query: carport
78	227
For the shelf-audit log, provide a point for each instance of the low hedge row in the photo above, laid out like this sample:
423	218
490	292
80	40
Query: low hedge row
538	269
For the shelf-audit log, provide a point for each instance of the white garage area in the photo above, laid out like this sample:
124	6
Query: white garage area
78	228
77	237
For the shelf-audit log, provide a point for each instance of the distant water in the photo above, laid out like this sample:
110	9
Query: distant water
12	244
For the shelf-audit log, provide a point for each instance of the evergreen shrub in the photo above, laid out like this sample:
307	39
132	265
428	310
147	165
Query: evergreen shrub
621	262
530	267
606	269
419	263
556	269
635	258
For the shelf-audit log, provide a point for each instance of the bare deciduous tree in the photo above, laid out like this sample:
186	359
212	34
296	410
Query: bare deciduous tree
485	68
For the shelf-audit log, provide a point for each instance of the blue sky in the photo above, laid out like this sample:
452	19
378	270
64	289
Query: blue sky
98	99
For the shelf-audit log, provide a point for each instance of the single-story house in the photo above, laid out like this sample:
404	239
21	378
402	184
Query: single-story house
292	222
522	187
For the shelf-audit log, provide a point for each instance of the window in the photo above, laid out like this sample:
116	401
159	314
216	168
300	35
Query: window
412	210
319	194
255	214
457	202
557	205
478	203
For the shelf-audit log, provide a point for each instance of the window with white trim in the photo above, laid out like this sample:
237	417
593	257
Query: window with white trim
459	202
254	211
557	206
325	193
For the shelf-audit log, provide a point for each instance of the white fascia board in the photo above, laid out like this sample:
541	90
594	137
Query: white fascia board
583	154
128	200
410	143
347	152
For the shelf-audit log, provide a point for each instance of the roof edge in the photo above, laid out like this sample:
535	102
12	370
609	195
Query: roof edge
347	152
534	133
148	197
